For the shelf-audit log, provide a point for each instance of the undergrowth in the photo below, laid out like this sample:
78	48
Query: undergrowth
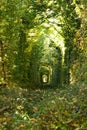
43	109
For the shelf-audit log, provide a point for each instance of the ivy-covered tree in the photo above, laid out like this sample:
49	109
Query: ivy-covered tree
79	67
10	20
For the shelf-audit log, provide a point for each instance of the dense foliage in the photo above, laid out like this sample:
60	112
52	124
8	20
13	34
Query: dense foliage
43	66
26	29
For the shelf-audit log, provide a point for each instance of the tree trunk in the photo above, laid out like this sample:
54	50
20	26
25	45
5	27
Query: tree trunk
2	61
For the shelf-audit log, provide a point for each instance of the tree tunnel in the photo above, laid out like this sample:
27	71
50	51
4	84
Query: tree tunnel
47	57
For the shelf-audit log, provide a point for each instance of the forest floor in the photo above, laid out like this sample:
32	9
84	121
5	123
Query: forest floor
43	109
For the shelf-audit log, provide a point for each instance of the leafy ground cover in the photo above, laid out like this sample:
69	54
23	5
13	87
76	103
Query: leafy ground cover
43	109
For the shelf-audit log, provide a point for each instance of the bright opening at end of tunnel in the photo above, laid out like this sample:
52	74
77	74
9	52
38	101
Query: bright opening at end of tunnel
45	78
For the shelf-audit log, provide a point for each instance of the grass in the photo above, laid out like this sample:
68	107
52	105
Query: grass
43	109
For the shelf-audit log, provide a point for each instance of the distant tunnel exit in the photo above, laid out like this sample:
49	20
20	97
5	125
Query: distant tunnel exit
45	78
45	74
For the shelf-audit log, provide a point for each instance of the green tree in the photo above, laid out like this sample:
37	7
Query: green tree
11	12
71	25
79	68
